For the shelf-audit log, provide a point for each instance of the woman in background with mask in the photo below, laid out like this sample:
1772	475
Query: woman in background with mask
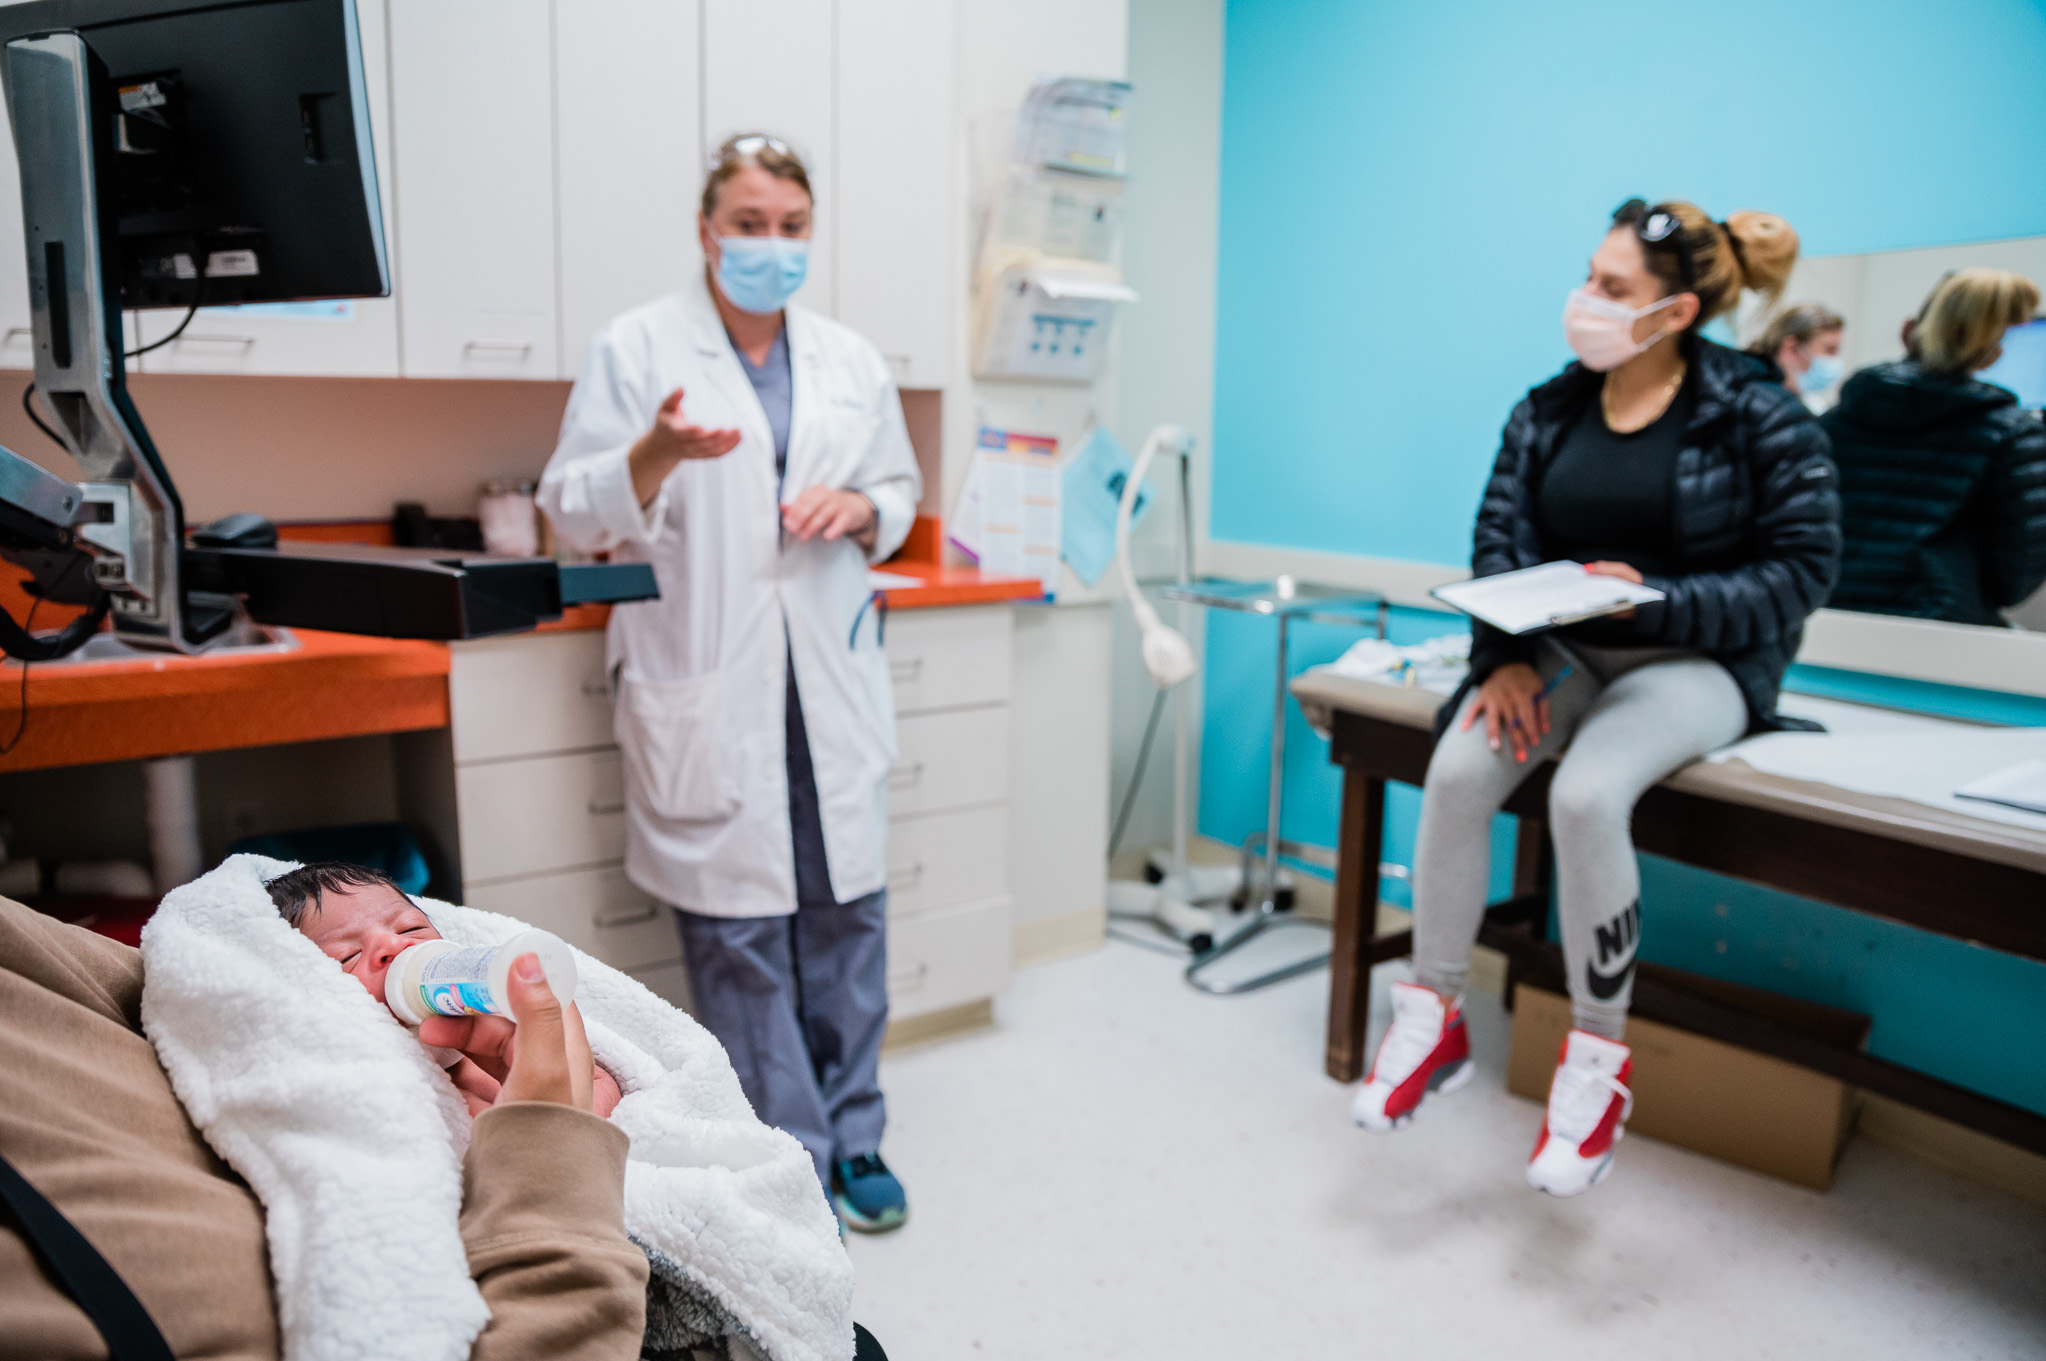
755	453
1658	457
1804	342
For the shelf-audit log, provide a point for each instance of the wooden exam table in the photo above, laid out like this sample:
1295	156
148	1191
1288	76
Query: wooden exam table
1968	878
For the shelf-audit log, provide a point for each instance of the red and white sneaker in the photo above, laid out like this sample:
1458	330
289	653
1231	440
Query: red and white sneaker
1589	1102
1424	1050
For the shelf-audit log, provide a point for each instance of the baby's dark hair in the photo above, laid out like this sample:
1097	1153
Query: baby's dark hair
297	891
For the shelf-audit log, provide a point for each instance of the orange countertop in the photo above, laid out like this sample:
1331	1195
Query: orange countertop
330	685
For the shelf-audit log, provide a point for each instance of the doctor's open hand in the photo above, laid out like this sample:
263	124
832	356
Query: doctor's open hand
672	438
824	513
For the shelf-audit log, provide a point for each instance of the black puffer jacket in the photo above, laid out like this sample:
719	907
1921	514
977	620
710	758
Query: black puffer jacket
1942	495
1755	524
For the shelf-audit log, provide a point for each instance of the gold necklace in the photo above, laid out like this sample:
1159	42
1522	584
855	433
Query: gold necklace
1662	401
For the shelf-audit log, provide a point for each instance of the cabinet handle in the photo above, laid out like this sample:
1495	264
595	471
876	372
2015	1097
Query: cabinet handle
242	342
645	914
596	689
521	348
24	332
906	670
598	810
907	875
908	980
902	777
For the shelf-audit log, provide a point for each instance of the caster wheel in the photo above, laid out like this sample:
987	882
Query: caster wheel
1283	900
1152	874
1200	944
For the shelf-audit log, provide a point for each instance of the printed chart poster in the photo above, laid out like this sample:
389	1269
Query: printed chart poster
1017	480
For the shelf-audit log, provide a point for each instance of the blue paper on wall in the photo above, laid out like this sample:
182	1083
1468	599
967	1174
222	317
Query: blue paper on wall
1092	490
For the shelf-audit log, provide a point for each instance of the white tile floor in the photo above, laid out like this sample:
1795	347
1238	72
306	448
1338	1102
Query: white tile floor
1122	1168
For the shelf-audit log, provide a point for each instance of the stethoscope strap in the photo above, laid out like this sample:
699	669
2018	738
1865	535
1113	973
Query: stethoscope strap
878	602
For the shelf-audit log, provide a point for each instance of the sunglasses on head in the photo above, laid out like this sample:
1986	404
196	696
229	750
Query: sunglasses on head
1657	227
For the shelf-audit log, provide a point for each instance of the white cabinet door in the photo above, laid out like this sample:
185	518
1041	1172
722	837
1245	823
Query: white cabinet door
898	283
767	67
471	86
354	339
631	158
17	340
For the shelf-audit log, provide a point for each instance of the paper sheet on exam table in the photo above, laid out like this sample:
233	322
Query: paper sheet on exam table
1541	597
2022	786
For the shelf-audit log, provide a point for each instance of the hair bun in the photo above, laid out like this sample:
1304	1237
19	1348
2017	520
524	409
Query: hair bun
1765	250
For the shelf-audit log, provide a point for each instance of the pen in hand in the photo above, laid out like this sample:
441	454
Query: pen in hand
1550	689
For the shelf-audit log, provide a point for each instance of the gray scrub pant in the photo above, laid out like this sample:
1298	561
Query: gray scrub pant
801	1002
1629	717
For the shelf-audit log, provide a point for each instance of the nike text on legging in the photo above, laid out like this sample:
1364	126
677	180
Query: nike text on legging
1624	719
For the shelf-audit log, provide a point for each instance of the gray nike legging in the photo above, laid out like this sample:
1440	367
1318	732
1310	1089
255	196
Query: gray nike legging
1629	717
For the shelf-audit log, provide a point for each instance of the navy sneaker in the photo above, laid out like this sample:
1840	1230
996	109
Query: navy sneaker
866	1194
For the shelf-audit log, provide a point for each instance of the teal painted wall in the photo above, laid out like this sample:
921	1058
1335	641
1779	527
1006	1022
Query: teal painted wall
1407	194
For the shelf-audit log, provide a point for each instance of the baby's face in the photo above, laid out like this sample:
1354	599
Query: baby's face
364	929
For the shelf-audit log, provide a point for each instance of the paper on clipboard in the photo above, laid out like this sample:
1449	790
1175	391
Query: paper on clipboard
1543	597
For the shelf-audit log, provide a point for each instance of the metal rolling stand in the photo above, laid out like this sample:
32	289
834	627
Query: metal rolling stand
1284	600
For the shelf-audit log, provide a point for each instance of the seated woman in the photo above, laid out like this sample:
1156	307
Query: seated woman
1660	457
1943	477
1804	342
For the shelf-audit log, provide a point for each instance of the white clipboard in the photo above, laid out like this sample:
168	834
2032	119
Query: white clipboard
1547	596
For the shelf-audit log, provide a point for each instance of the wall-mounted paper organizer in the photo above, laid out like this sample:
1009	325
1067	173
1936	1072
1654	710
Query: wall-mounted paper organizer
1048	283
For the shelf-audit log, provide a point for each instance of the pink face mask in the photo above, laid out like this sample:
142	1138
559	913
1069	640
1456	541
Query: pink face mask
1601	331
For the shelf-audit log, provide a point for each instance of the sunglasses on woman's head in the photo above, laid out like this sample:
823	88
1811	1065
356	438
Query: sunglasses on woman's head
1658	227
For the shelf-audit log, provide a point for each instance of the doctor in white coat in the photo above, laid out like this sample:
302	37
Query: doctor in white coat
755	454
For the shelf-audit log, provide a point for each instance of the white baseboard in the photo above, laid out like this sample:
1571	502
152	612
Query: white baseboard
1049	938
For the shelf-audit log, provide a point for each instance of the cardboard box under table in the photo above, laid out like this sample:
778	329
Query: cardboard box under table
1706	1095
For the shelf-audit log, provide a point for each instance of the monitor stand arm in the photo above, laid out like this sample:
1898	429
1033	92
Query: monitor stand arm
130	519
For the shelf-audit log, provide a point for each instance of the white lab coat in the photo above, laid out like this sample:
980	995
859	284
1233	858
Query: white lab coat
698	674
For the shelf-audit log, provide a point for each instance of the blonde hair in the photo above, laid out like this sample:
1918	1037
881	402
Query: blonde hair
1964	320
754	149
1749	250
1802	323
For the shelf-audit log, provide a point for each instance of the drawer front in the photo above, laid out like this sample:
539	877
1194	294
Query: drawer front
947	859
599	911
546	813
946	959
949	760
529	695
945	657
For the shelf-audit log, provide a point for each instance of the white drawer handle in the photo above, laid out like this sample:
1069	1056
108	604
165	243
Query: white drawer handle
902	777
908	980
644	914
905	671
907	875
19	332
521	348
598	810
241	342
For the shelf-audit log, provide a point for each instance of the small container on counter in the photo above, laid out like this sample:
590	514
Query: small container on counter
510	519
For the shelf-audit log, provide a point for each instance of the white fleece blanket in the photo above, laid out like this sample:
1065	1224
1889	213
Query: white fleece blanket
352	1136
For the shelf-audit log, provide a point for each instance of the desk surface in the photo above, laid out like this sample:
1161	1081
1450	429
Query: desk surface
1322	692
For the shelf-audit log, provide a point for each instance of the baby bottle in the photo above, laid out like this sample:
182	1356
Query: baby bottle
441	978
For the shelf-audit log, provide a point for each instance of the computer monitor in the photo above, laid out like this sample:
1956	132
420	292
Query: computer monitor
240	167
2022	368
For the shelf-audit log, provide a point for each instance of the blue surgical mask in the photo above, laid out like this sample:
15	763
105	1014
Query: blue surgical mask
1825	371
759	274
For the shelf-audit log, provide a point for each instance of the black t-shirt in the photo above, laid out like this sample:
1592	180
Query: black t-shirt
1608	497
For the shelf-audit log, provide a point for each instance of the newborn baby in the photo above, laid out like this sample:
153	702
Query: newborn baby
362	921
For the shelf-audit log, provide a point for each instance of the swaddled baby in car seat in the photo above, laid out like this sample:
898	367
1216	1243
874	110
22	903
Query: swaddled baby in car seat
351	1131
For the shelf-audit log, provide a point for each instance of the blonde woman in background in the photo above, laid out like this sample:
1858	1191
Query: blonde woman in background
1942	476
1804	342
